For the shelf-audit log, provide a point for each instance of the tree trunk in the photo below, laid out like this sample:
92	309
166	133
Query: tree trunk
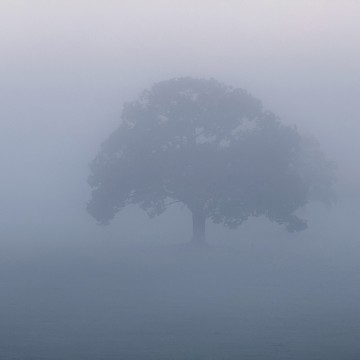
199	220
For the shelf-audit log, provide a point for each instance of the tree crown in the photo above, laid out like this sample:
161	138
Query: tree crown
213	148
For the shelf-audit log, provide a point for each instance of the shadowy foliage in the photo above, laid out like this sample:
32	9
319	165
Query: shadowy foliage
212	148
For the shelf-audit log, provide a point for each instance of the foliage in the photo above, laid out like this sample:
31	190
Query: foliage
212	148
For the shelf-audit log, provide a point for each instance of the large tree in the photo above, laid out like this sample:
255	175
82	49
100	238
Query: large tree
213	148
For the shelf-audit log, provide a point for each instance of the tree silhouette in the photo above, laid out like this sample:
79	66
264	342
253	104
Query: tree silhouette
212	148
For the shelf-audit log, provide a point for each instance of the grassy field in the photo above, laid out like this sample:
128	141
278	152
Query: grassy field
233	301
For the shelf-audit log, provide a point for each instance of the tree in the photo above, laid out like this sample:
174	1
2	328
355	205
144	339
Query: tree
213	148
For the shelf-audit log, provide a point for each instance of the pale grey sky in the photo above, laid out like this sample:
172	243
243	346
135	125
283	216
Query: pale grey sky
67	67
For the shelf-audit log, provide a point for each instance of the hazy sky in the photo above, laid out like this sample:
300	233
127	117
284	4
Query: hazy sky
67	67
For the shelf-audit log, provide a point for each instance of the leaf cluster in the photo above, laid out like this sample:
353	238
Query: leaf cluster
212	148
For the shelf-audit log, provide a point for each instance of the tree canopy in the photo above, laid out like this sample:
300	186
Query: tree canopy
213	148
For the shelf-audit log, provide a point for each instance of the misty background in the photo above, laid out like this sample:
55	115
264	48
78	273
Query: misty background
71	288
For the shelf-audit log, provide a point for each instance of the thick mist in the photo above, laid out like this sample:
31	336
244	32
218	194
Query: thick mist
134	289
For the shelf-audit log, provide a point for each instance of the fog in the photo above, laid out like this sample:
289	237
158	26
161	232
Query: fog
134	289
